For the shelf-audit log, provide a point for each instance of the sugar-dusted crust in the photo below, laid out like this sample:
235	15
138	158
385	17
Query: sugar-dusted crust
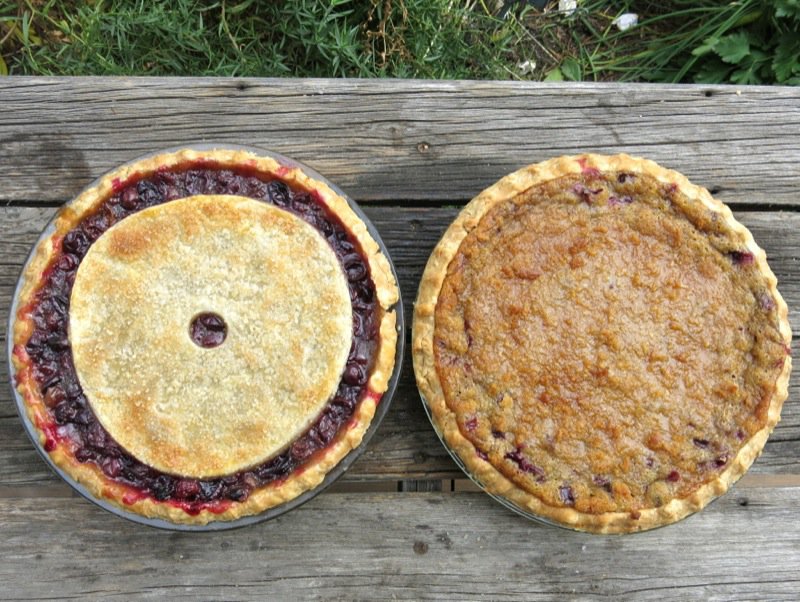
445	420
314	470
158	393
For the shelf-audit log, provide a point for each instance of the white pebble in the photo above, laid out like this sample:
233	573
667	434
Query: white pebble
567	6
626	21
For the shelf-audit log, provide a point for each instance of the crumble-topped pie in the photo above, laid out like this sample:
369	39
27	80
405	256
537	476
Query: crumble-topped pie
204	335
601	344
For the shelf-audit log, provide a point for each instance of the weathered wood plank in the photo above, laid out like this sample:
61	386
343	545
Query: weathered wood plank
406	446
402	546
386	140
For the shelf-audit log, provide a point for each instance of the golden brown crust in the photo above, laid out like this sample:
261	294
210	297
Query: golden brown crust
315	470
445	419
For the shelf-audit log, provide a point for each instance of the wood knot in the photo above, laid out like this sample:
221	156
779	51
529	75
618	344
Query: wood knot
423	147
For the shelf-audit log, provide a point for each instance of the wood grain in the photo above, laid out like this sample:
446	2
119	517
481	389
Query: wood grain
413	546
405	447
412	152
430	142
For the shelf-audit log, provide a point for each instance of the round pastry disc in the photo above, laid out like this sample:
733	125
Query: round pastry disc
206	408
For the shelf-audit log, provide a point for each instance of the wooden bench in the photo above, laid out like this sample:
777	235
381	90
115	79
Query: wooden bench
403	522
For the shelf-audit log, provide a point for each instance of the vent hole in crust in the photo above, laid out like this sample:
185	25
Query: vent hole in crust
208	330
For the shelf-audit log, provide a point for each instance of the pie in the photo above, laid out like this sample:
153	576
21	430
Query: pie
204	335
601	344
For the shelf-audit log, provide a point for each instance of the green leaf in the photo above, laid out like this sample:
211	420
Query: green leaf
571	69
745	77
787	56
733	47
787	8
752	68
747	19
712	71
554	75
706	47
238	8
3	66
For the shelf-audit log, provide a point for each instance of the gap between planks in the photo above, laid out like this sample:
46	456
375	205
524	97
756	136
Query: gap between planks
742	207
62	490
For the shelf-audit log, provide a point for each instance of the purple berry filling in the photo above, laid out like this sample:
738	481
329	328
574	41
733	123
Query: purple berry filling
585	193
566	494
524	465
208	330
603	482
766	301
51	357
742	257
615	201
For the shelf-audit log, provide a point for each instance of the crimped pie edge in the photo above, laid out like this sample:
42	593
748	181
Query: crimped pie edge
445	423
308	476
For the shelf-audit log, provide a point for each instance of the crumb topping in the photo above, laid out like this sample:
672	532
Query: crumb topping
602	348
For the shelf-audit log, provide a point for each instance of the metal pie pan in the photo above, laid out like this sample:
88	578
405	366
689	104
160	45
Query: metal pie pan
270	513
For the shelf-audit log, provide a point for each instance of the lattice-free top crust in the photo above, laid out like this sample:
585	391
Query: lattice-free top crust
546	432
203	412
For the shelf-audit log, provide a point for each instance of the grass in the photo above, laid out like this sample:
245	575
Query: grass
746	41
338	38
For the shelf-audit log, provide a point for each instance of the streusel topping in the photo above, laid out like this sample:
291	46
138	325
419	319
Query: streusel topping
602	348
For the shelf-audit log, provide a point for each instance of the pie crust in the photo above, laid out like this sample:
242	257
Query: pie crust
209	411
576	368
129	307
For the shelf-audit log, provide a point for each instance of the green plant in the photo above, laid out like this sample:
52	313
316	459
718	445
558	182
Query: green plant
743	42
338	38
711	41
766	50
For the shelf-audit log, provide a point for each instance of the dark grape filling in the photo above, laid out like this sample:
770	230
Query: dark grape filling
51	357
525	465
742	257
567	495
208	330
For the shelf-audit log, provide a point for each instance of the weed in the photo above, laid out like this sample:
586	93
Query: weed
339	38
743	41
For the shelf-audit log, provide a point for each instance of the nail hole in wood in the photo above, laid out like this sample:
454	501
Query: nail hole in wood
423	147
420	547
709	93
